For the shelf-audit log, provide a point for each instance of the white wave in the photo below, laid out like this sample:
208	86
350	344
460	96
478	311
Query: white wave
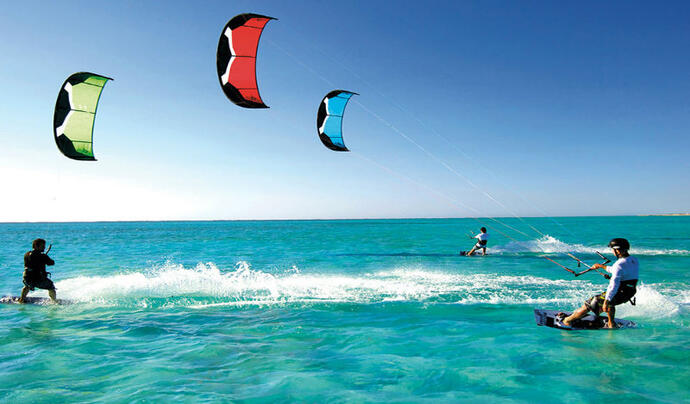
651	303
551	245
170	280
206	285
244	285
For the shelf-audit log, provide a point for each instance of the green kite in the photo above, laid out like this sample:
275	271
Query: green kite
75	113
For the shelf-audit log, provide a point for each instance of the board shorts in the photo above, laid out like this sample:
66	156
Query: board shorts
626	291
41	283
480	245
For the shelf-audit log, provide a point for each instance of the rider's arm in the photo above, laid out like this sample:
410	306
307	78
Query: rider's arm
614	283
48	260
27	261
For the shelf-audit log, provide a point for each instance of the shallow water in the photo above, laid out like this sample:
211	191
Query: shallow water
375	310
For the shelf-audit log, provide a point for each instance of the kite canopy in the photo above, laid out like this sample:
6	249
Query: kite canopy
329	119
236	59
75	113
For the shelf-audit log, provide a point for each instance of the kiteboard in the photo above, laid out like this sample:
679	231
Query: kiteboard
464	254
32	300
589	322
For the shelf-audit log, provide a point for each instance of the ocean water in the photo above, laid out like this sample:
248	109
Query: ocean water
340	311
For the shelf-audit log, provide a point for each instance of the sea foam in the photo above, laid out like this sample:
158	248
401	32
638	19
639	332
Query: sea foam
551	245
207	285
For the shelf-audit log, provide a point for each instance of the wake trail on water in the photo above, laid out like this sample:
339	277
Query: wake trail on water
205	285
551	245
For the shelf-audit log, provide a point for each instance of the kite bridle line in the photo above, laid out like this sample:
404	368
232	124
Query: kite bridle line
452	201
591	268
452	170
484	192
487	194
308	68
393	102
560	265
579	262
440	161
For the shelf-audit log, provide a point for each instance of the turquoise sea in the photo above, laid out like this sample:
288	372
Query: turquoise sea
340	311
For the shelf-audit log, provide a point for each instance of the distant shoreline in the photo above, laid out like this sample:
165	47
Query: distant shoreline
669	214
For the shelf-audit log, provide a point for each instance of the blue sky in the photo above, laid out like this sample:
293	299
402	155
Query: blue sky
541	105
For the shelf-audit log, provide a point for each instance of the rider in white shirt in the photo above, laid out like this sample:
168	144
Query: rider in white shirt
622	285
482	240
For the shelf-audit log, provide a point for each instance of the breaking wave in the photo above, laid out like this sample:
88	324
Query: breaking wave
552	245
206	285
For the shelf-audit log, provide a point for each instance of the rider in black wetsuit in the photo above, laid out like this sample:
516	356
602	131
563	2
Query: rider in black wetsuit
35	275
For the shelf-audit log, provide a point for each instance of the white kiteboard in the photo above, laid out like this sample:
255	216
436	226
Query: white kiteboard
32	300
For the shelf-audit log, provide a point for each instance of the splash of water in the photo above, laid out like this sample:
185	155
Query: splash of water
207	285
552	245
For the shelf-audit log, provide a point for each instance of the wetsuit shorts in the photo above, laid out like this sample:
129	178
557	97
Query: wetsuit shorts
626	291
41	283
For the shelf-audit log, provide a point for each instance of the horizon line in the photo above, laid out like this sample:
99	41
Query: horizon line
334	219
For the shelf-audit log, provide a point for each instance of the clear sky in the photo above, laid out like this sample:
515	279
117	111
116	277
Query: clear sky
551	108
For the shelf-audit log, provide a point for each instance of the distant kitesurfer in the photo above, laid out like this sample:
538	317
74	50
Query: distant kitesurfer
35	275
482	240
622	285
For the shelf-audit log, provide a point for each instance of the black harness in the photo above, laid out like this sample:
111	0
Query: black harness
629	287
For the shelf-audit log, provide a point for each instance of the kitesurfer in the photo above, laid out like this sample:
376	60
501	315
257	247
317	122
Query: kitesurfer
35	275
622	286
482	240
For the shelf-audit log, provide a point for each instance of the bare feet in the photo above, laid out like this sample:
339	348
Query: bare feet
564	319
